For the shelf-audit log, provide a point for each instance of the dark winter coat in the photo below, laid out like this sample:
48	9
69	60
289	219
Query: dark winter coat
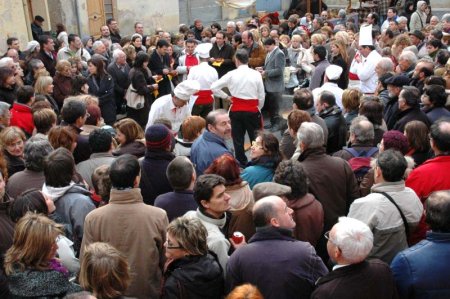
153	175
193	277
103	88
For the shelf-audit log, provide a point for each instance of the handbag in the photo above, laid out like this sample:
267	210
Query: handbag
134	100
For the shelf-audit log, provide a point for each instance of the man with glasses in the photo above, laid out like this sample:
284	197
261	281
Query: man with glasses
279	265
349	243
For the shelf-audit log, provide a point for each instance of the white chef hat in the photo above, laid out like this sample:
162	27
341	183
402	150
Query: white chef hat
365	36
203	50
185	89
333	72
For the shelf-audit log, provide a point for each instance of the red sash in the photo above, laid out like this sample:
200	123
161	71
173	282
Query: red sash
249	105
204	97
353	76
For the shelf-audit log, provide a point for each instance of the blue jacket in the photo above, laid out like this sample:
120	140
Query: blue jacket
423	271
206	149
258	173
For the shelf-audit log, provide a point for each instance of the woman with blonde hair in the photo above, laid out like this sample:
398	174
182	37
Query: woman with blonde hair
130	136
12	141
265	32
104	271
339	57
130	51
62	82
44	86
190	271
30	263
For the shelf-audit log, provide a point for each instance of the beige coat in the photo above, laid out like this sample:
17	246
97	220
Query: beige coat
138	231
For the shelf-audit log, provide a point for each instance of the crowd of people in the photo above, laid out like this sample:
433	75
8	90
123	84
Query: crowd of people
124	167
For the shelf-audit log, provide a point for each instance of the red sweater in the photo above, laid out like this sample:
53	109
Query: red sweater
22	117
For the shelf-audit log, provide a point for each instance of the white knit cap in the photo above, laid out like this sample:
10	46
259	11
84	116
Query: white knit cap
185	89
31	45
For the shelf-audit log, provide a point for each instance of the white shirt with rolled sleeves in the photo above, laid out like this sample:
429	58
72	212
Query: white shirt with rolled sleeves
205	75
164	107
243	83
366	72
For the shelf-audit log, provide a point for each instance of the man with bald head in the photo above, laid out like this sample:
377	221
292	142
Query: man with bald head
256	53
293	265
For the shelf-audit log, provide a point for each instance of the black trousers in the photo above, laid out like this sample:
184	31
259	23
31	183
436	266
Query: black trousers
241	123
202	110
272	105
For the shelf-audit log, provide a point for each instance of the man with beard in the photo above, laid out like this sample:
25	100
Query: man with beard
394	86
114	31
424	69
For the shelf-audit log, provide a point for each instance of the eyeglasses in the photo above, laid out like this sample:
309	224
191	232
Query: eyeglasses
327	236
257	145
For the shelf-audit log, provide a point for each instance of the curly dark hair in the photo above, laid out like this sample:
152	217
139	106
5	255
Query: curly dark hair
292	174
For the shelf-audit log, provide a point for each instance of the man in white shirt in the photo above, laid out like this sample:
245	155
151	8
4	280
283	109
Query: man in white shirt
174	106
247	99
202	102
332	74
367	61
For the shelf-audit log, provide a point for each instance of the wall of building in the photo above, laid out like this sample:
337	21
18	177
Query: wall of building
153	14
13	23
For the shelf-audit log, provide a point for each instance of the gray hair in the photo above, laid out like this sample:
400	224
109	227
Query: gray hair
34	64
35	151
408	56
363	130
354	238
446	17
6	61
116	53
386	64
434	18
402	19
231	23
96	44
3	108
311	134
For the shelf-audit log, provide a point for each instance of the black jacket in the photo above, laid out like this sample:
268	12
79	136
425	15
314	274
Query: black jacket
369	280
390	112
103	89
121	81
8	95
343	79
408	115
156	65
153	175
227	53
337	129
193	277
49	62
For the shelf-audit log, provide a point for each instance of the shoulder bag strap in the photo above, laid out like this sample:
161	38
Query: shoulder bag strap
405	223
